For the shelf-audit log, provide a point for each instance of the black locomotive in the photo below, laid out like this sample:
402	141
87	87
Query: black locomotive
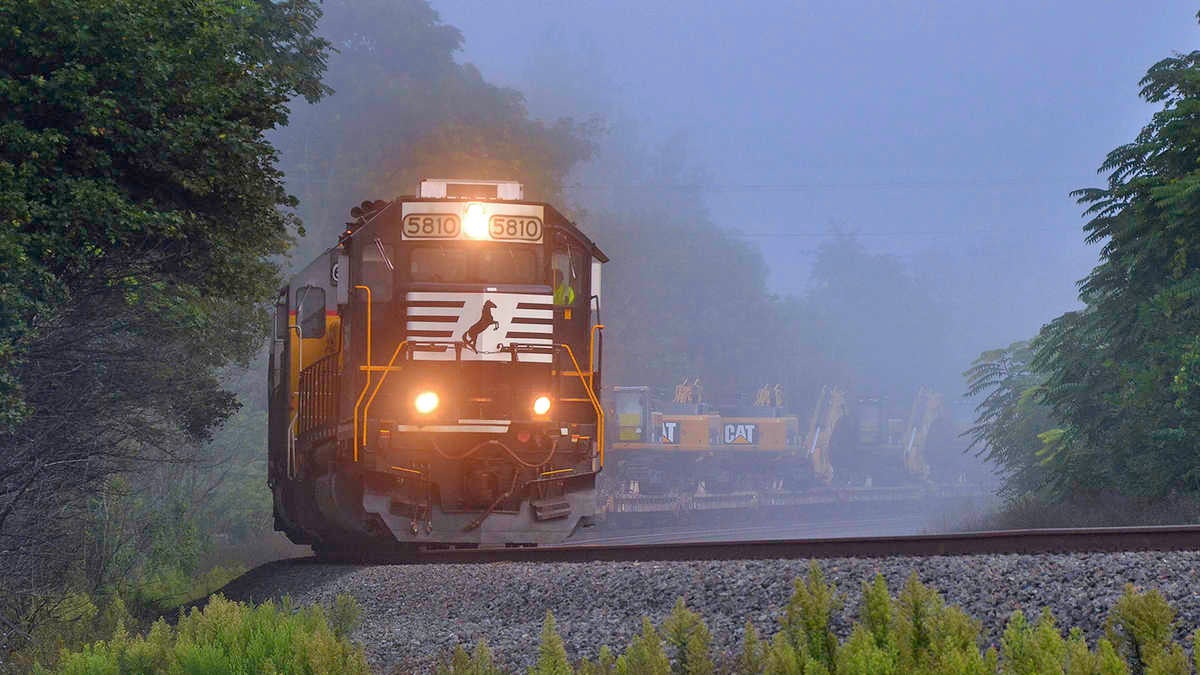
434	377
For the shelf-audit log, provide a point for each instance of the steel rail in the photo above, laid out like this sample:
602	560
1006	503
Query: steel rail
1023	542
1082	540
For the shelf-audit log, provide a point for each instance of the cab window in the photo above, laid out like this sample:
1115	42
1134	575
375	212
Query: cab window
567	271
310	311
377	268
509	264
476	263
437	264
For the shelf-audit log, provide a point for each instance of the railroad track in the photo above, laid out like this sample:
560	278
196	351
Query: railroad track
1078	540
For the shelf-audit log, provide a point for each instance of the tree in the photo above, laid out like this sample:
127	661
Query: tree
1011	422
882	327
404	108
1123	375
142	213
1112	391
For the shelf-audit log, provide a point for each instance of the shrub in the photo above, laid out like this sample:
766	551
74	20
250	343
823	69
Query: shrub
605	664
689	640
808	616
1140	627
552	654
224	637
754	652
914	632
479	662
645	655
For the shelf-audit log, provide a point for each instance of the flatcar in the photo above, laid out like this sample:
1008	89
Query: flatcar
434	377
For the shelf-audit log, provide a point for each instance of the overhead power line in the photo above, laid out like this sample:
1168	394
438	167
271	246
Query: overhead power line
983	183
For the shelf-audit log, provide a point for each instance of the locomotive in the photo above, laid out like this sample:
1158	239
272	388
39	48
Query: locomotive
434	377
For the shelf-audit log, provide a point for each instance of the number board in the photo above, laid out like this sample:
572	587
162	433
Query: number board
432	226
515	228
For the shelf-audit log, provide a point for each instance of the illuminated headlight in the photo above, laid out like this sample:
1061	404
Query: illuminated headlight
475	222
541	405
426	402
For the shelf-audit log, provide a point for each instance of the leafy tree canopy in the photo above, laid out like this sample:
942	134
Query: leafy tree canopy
1122	376
141	217
135	176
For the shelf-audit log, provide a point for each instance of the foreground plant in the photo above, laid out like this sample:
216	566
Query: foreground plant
914	631
229	637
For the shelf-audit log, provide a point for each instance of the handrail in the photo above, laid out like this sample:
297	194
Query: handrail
592	397
592	352
374	392
366	384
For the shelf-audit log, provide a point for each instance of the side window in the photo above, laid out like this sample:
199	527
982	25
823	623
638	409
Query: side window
310	311
377	265
565	270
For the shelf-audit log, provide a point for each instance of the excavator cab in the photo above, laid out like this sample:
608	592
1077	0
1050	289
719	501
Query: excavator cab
631	410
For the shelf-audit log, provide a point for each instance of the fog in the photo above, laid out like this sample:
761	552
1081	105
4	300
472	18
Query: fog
948	135
865	195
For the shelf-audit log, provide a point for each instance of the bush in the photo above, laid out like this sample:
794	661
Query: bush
225	637
913	632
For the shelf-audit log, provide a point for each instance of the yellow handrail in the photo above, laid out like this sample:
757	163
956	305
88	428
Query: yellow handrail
366	384
374	392
595	402
592	352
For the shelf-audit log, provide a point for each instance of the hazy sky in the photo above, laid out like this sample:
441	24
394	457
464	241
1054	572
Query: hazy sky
947	134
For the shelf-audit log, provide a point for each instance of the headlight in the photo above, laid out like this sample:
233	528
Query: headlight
541	405
475	223
426	402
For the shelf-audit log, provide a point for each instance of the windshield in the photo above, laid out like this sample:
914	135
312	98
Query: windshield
477	263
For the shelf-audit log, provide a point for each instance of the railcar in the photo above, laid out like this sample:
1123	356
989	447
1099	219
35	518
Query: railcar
434	377
686	455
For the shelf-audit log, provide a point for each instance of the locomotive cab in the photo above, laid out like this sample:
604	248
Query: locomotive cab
448	391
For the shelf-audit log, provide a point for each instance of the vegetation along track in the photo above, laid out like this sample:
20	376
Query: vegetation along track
1074	540
414	614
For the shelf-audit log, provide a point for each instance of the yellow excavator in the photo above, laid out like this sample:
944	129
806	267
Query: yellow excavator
856	442
684	454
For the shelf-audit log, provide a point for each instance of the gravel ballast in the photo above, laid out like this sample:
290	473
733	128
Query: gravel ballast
413	615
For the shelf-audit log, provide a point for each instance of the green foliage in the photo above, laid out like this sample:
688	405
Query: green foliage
142	218
807	617
933	637
1140	627
1116	385
605	664
135	174
877	612
754	652
914	632
1010	418
552	654
645	655
224	637
689	641
344	615
479	662
863	655
1121	377
1037	648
